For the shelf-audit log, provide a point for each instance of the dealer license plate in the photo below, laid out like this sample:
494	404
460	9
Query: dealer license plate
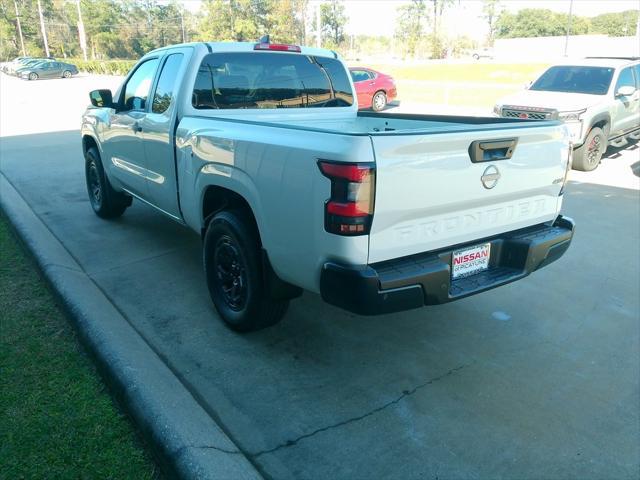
470	260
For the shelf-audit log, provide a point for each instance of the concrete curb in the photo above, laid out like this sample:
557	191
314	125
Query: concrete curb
188	442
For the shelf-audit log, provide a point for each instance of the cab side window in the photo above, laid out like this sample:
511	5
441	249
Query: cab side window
625	79
165	91
137	88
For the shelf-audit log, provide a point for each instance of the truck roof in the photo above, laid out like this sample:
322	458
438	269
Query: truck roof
246	47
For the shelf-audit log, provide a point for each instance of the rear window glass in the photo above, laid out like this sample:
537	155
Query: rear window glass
270	80
575	79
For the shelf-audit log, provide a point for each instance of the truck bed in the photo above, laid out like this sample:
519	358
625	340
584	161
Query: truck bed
369	123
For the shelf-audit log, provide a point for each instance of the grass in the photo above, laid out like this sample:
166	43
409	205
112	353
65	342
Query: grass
56	419
449	83
476	72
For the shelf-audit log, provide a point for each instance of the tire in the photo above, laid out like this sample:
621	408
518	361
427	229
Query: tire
33	76
588	155
105	201
379	101
234	271
66	74
476	56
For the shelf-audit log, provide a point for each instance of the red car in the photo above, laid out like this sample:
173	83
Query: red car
374	89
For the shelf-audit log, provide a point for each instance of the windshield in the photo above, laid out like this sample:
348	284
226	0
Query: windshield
270	80
575	79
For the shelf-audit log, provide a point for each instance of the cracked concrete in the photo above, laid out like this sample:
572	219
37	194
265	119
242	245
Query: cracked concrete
405	393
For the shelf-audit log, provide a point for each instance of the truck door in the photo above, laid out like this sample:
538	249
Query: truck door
626	110
122	142
158	128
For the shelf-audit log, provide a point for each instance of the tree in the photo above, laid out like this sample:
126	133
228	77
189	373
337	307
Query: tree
491	12
286	21
334	19
410	25
437	42
622	24
534	22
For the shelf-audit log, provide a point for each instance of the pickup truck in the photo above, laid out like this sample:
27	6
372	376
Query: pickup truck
598	98
261	150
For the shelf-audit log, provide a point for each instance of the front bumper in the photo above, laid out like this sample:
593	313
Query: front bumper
425	279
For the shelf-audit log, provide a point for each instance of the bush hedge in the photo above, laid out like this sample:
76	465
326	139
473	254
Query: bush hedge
104	67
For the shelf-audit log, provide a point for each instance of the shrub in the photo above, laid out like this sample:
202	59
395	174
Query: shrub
104	67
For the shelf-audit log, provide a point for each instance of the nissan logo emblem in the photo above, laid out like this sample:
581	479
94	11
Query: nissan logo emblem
490	177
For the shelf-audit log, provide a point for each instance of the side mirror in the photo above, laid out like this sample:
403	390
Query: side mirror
625	91
101	98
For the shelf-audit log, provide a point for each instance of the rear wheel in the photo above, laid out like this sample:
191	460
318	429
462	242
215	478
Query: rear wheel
105	201
234	272
476	56
66	74
588	155
379	101
33	76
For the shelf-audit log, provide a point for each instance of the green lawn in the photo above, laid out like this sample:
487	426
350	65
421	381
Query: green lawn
447	83
56	419
476	72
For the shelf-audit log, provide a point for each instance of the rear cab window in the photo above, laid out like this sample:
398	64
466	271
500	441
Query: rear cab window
268	80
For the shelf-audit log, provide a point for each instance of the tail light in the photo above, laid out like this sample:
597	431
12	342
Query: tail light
349	211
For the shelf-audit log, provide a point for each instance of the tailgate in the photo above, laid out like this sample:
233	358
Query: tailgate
431	195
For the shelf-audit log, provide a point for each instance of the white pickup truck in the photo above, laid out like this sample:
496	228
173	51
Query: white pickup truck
261	149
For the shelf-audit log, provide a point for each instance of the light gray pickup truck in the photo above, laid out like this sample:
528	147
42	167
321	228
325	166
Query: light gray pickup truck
260	148
597	98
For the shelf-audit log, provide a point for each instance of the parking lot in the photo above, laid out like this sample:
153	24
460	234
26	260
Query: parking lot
538	379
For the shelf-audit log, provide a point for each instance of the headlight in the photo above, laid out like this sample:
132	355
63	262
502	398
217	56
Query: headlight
571	116
497	109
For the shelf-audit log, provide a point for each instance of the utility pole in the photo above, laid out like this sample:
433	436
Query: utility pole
318	27
184	36
81	34
24	52
44	32
566	40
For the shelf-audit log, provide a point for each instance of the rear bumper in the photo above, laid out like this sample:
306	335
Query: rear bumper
425	279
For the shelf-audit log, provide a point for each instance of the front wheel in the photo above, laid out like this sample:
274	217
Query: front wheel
234	272
33	76
588	155
66	74
379	102
105	201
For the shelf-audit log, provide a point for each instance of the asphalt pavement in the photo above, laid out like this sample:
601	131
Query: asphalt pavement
537	379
